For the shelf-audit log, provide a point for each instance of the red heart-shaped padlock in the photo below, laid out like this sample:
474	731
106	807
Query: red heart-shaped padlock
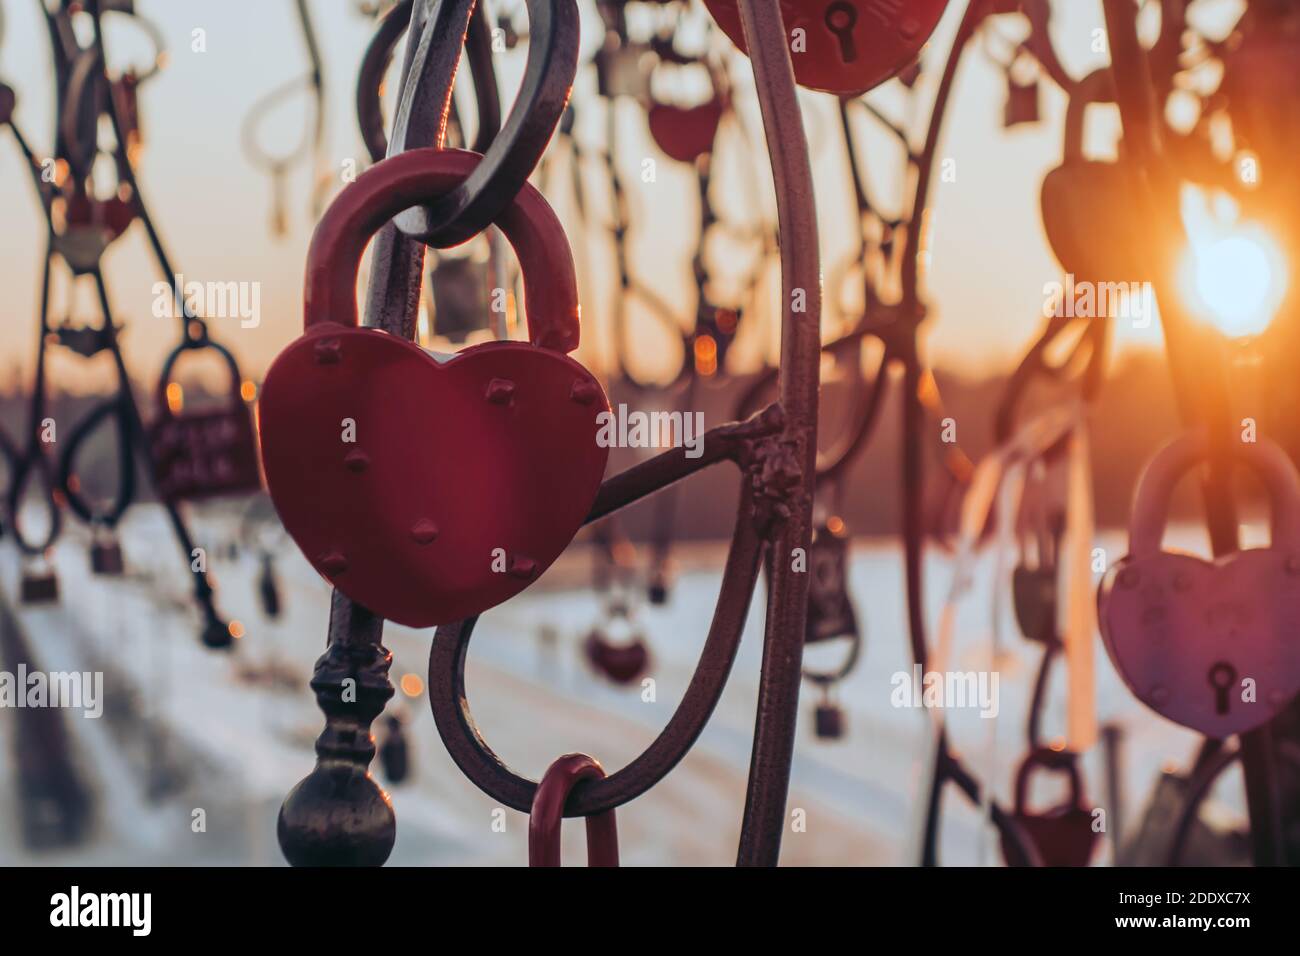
431	488
1186	634
685	133
845	46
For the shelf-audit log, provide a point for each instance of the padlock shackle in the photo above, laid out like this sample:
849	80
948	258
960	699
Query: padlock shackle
1097	87
1048	759
414	178
1264	457
192	345
547	814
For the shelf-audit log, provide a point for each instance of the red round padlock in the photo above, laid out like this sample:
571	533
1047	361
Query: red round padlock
431	488
845	46
547	814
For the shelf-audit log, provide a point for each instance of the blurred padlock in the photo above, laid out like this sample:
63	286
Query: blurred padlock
460	288
828	718
1022	103
106	553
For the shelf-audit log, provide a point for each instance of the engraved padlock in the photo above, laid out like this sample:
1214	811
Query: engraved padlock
1209	645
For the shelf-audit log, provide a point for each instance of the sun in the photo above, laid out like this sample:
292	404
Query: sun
1234	275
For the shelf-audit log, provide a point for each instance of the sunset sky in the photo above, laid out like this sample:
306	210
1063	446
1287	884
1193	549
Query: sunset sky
988	269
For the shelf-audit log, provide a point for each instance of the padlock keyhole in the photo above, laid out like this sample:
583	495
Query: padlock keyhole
1222	676
841	17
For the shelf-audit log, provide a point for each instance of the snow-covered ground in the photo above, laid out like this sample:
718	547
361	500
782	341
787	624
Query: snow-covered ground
189	729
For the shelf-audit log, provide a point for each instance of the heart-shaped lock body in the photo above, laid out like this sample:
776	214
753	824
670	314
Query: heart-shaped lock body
429	489
1186	634
1087	204
621	663
91	226
1063	835
685	133
845	46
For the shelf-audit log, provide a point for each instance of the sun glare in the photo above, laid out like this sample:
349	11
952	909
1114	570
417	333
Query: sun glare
1234	276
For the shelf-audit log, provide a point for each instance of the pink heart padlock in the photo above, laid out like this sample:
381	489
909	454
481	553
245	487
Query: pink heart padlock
431	488
1209	645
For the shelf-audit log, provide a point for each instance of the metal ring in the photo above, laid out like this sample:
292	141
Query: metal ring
513	155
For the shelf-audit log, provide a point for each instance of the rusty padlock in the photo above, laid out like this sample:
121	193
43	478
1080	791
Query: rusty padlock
547	814
204	453
685	133
845	46
431	488
1063	835
1085	203
1186	634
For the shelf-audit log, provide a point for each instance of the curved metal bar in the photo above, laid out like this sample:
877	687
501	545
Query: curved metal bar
32	461
378	56
451	713
1203	781
548	78
1035	365
763	822
113	408
832	463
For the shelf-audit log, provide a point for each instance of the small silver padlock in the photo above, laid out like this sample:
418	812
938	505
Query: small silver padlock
1209	645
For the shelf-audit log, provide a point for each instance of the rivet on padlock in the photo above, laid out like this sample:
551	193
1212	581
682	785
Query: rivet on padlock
1183	651
1063	835
518	479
